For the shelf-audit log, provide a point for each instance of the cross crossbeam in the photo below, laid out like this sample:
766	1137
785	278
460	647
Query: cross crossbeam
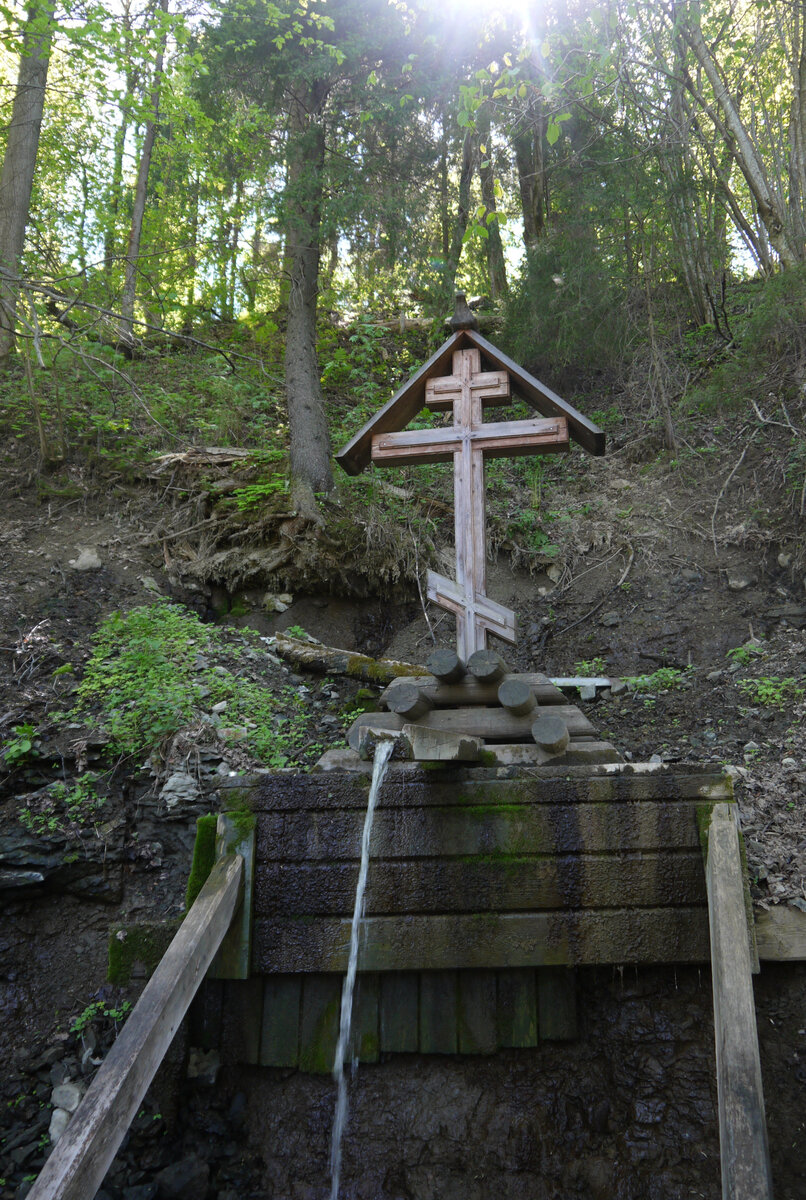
468	441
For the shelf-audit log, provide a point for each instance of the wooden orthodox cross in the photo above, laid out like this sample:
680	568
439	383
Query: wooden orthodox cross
468	442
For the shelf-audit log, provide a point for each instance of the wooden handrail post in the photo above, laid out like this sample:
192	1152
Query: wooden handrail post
82	1156
742	1124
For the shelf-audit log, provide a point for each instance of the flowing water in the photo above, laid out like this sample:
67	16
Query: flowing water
383	751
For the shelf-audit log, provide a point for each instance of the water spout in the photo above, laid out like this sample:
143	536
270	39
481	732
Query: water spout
383	752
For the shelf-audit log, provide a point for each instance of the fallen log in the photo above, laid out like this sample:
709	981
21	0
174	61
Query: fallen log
329	660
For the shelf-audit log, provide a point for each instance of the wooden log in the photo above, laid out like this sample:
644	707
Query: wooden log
517	697
399	1012
364	1030
651	879
446	666
512	829
486	666
439	1033
616	783
472	691
439	745
408	701
329	660
81	1158
319	1023
517	1008
477	1016
279	1035
781	934
742	1123
241	1020
412	943
556	1004
551	734
492	724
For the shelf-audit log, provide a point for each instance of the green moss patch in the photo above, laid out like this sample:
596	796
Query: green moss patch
144	944
203	856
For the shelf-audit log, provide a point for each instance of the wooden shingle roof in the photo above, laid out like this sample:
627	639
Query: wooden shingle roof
410	400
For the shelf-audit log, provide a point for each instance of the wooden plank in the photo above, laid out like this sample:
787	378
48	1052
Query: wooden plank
513	884
406	403
438	1012
471	691
517	1008
488	829
539	396
781	934
477	1023
279	1035
236	835
83	1154
411	943
556	1004
241	1020
365	1027
493	724
495	439
400	1012
612	784
319	1022
742	1122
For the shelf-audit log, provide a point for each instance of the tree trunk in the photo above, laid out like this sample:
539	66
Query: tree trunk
496	264
770	209
16	179
462	212
126	326
528	145
309	441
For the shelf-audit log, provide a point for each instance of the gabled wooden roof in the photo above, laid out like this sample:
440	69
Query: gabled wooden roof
410	399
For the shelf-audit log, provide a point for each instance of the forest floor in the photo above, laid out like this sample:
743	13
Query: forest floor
685	576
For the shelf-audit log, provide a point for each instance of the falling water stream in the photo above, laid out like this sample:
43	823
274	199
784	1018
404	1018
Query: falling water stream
383	751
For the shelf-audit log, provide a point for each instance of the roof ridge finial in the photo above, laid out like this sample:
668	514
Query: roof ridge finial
463	317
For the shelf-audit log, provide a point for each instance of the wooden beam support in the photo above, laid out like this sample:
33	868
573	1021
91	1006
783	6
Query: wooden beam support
742	1123
83	1154
408	701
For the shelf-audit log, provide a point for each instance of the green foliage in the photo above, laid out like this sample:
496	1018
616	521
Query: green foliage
590	666
745	653
64	809
772	691
101	1010
20	745
143	683
141	675
665	679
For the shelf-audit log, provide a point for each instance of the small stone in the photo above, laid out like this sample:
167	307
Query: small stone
220	707
587	691
751	748
655	758
738	581
149	583
789	763
203	1065
67	1096
712	676
784	559
184	1180
58	1123
617	687
179	788
798	902
611	618
88	560
689	575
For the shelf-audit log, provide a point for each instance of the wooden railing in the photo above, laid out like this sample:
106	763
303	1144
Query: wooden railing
83	1154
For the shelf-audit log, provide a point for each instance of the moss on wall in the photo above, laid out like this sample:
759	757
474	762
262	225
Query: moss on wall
203	856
